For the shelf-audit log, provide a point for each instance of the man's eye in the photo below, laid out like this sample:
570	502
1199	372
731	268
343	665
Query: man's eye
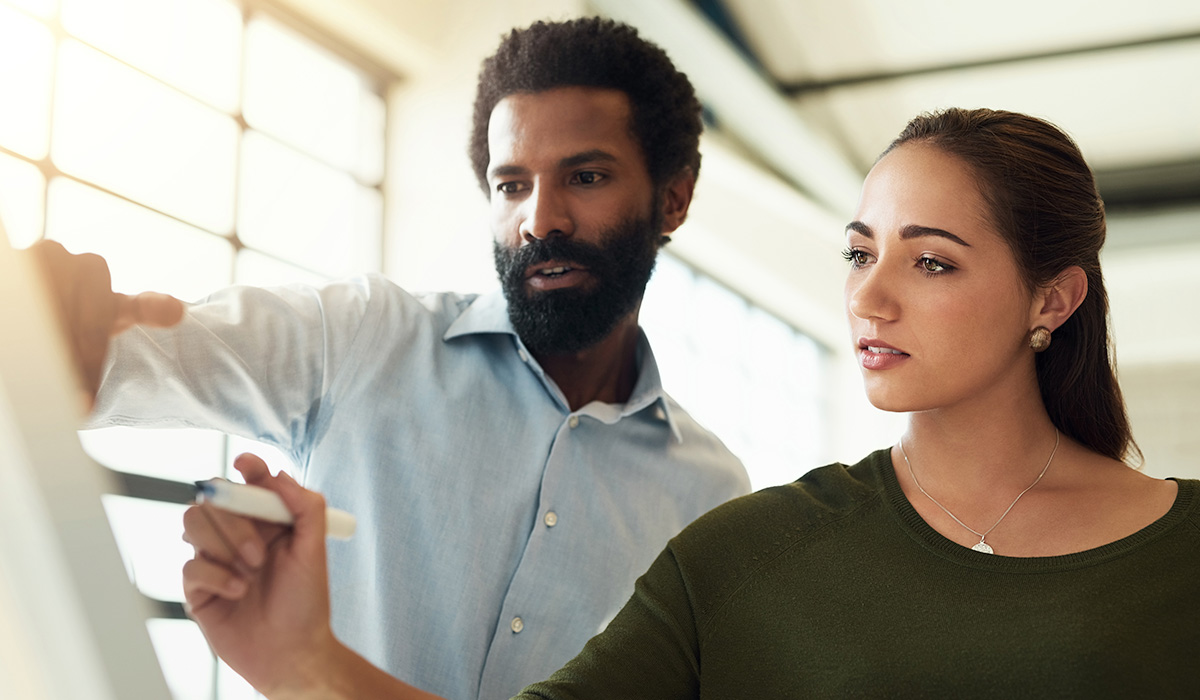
588	178
508	187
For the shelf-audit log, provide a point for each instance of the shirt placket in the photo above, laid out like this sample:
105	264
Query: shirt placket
523	629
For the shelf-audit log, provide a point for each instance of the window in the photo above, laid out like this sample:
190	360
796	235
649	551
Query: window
750	378
193	143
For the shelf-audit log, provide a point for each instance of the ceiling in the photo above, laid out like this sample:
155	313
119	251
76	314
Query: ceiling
1122	79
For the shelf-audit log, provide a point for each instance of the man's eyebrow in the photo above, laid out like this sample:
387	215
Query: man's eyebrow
908	232
506	171
593	156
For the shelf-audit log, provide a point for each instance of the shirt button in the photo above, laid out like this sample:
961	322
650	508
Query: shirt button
573	421
517	625
521	354
551	519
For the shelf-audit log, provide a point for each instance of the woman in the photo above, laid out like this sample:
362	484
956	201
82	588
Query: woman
1003	547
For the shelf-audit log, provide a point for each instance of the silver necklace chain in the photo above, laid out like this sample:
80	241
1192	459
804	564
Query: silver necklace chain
981	546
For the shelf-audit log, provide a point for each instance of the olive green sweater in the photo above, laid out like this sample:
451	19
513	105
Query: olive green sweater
834	587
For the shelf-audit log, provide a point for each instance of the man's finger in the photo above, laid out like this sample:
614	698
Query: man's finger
307	507
205	581
253	469
89	313
230	539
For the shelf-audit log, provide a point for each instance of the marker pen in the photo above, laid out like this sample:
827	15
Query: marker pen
264	504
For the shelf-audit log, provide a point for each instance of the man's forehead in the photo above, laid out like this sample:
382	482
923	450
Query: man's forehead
569	120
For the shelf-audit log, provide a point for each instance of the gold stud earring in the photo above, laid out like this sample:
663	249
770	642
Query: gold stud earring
1039	339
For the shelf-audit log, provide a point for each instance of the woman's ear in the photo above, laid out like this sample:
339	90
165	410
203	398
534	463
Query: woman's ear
676	198
1054	303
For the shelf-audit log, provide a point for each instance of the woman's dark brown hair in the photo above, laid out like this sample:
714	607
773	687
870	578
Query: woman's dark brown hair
1043	200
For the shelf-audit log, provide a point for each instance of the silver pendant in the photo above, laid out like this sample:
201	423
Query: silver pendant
983	547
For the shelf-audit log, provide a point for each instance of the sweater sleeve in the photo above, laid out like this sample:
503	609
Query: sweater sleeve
650	650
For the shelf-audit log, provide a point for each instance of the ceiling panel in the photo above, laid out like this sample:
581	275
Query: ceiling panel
820	40
1125	108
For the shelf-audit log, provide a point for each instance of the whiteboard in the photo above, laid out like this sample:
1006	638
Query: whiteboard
72	626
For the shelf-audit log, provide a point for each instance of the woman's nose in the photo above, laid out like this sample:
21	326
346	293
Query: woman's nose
870	293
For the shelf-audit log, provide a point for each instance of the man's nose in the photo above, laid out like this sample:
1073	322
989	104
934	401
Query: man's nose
546	215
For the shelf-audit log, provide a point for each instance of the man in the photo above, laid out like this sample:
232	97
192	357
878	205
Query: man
512	459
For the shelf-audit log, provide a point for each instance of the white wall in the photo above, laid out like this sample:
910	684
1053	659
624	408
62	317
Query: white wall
1152	292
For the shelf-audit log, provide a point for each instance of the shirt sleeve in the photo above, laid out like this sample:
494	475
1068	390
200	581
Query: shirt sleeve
247	361
650	650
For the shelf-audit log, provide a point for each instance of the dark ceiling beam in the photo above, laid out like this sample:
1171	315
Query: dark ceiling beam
797	89
1149	186
717	12
744	100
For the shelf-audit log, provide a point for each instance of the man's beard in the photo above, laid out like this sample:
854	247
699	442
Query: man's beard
564	321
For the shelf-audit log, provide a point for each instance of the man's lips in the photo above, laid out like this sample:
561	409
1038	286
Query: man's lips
555	275
553	268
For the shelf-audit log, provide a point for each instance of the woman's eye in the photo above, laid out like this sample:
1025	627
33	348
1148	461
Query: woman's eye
856	258
933	266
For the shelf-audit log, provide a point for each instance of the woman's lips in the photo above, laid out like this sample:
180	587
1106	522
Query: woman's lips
876	355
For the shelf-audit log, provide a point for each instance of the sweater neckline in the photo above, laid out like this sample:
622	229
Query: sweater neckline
1185	501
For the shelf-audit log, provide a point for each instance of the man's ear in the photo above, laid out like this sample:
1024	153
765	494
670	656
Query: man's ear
676	198
1054	303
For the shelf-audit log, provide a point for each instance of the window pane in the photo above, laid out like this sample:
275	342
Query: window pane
26	65
368	229
22	200
302	94
751	379
264	271
194	45
150	537
185	658
371	147
231	686
41	8
133	135
305	212
178	454
145	250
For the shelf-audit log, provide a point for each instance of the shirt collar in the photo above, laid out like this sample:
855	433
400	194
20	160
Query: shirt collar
488	313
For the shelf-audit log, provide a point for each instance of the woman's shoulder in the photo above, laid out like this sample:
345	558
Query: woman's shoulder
766	517
729	545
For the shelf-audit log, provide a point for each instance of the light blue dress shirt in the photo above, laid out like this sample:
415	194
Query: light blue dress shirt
497	529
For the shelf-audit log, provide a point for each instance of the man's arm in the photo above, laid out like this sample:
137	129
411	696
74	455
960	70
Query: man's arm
260	594
90	312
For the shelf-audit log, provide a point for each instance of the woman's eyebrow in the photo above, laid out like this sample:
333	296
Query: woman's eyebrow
861	228
915	231
908	232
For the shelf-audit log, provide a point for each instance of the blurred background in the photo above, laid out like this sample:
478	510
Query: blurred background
198	143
